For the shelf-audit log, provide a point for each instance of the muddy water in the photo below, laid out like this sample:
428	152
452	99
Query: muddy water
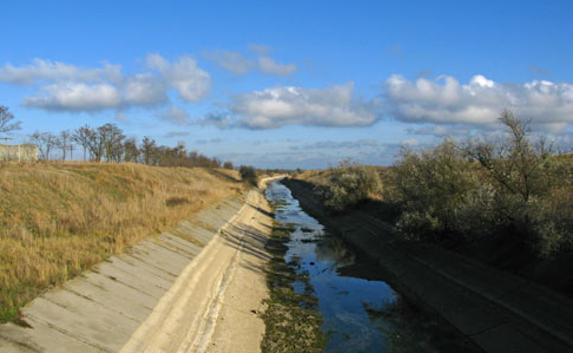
359	314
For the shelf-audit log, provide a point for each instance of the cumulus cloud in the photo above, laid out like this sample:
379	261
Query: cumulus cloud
47	70
144	90
280	106
191	82
136	91
480	101
65	87
76	97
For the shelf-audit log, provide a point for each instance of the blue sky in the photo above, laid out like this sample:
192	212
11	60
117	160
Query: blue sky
291	84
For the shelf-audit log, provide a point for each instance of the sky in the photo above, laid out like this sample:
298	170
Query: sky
289	84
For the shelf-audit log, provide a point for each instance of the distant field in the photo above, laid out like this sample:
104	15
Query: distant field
57	220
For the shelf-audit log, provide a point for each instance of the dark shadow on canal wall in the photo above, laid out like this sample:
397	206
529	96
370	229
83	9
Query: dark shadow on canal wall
496	311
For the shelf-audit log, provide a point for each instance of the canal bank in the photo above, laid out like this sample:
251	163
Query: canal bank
497	311
360	312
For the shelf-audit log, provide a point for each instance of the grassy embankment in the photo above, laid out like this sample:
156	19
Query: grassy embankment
57	220
292	319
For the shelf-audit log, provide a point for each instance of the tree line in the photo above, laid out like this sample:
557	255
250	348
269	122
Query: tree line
108	143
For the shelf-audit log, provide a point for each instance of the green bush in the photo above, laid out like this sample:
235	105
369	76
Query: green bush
514	187
440	192
349	184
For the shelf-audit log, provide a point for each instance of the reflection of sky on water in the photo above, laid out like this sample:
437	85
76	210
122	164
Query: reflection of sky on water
341	299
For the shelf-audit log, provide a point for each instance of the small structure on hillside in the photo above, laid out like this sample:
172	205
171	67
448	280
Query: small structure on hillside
20	153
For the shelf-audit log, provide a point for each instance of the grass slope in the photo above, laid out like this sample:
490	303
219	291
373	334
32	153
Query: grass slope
57	220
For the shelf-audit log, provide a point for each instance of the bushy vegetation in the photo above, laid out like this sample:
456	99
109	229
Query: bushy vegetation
347	185
248	174
514	187
57	220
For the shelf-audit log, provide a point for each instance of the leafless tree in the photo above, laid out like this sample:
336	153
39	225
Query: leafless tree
64	142
7	123
45	141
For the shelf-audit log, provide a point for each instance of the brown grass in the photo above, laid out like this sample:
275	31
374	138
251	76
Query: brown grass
57	220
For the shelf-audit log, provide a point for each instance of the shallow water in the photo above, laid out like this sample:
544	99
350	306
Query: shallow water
359	315
341	299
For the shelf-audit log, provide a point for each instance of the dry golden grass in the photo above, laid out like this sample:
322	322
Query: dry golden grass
57	220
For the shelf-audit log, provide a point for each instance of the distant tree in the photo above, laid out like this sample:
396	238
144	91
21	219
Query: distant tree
111	138
148	149
64	142
131	151
7	123
228	165
84	136
45	141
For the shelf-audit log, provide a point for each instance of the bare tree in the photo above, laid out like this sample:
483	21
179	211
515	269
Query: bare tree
45	141
7	123
84	137
64	142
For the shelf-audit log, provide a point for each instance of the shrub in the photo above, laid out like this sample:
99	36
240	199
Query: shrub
349	184
514	187
248	174
440	192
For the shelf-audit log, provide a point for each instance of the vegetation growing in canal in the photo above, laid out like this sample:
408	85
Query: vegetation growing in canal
292	319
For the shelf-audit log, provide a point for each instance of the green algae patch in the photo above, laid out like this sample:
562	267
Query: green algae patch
292	318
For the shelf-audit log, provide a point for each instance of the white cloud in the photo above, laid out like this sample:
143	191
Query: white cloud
144	90
269	66
276	107
65	87
480	101
76	97
189	80
175	115
47	70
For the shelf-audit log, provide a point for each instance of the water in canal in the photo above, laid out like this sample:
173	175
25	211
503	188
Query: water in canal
359	315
